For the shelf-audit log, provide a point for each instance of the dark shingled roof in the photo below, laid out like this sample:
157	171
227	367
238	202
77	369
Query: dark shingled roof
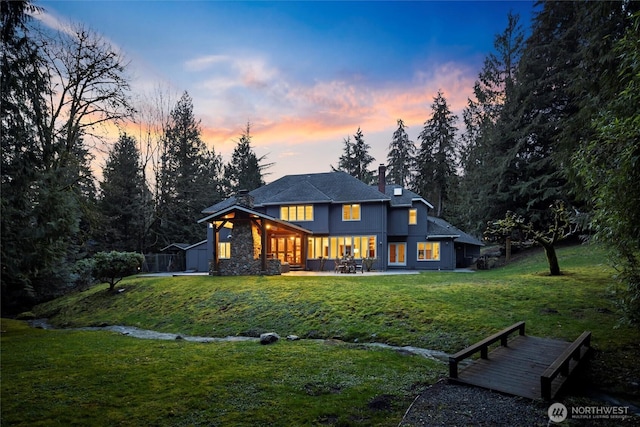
405	198
438	227
330	187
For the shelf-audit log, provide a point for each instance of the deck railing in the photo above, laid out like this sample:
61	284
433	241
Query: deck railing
563	363
483	347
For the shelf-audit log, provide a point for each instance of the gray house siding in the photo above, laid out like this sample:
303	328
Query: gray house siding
197	258
384	213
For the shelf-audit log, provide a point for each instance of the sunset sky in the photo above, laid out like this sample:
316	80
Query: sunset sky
305	74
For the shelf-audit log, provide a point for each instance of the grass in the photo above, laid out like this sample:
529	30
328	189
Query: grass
104	379
134	382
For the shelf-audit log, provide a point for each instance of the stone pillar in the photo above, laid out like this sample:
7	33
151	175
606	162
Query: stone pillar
243	198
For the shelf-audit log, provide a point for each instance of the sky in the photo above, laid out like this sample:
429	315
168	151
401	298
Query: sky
306	75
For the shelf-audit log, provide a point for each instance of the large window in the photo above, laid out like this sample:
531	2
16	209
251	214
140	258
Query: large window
318	247
359	247
428	251
413	216
296	213
351	212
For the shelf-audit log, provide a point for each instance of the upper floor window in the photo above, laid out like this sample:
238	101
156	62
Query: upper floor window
428	251
413	216
351	212
296	213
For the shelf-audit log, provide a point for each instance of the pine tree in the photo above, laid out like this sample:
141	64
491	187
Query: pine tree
355	159
481	193
47	189
122	201
401	157
245	170
436	159
185	186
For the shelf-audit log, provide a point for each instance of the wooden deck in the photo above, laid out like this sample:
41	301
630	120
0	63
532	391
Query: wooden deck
515	369
524	366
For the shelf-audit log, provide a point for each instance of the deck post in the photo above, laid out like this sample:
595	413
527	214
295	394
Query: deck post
453	367
545	387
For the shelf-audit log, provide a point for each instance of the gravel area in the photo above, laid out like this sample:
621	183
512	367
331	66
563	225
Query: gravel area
446	404
449	404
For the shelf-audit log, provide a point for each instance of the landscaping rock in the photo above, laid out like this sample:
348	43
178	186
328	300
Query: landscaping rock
269	338
293	337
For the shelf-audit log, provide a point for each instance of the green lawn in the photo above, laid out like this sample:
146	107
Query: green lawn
73	376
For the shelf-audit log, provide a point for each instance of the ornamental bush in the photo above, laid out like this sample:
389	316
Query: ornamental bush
111	267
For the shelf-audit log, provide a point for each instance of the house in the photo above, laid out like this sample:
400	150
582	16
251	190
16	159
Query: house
309	221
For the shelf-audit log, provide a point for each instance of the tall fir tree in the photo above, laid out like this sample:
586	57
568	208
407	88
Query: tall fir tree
185	187
245	169
122	199
436	159
401	157
355	158
55	89
483	147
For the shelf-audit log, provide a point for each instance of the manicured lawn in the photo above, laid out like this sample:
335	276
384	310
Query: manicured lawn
104	379
115	380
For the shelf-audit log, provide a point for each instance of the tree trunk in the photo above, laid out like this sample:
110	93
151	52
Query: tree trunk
552	258
507	250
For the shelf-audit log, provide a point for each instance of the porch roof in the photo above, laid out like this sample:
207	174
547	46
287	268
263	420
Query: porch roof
223	215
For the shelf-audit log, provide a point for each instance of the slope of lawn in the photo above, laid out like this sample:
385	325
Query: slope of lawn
102	378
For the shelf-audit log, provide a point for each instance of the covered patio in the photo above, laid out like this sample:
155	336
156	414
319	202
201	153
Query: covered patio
258	244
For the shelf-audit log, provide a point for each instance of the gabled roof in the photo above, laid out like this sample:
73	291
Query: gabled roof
181	246
439	228
330	187
405	198
221	214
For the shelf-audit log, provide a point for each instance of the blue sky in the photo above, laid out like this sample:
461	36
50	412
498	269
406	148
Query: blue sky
305	74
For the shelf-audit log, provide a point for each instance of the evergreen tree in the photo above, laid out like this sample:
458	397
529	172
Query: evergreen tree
185	185
609	166
47	188
355	159
122	201
245	170
401	157
436	159
482	192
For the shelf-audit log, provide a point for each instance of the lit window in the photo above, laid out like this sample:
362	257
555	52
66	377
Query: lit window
351	212
428	251
224	250
318	247
413	216
296	213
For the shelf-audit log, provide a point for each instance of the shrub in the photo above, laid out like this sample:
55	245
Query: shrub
111	267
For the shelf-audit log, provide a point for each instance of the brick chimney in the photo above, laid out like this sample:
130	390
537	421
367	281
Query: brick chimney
382	178
245	199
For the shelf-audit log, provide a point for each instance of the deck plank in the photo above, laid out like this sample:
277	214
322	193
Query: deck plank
516	368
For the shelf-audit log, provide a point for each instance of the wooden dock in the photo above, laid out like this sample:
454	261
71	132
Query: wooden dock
524	366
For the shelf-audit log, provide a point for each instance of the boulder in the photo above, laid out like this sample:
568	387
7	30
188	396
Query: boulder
269	338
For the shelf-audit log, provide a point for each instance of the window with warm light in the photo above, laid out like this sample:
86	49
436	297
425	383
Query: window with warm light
351	212
224	250
413	216
360	247
296	213
428	251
